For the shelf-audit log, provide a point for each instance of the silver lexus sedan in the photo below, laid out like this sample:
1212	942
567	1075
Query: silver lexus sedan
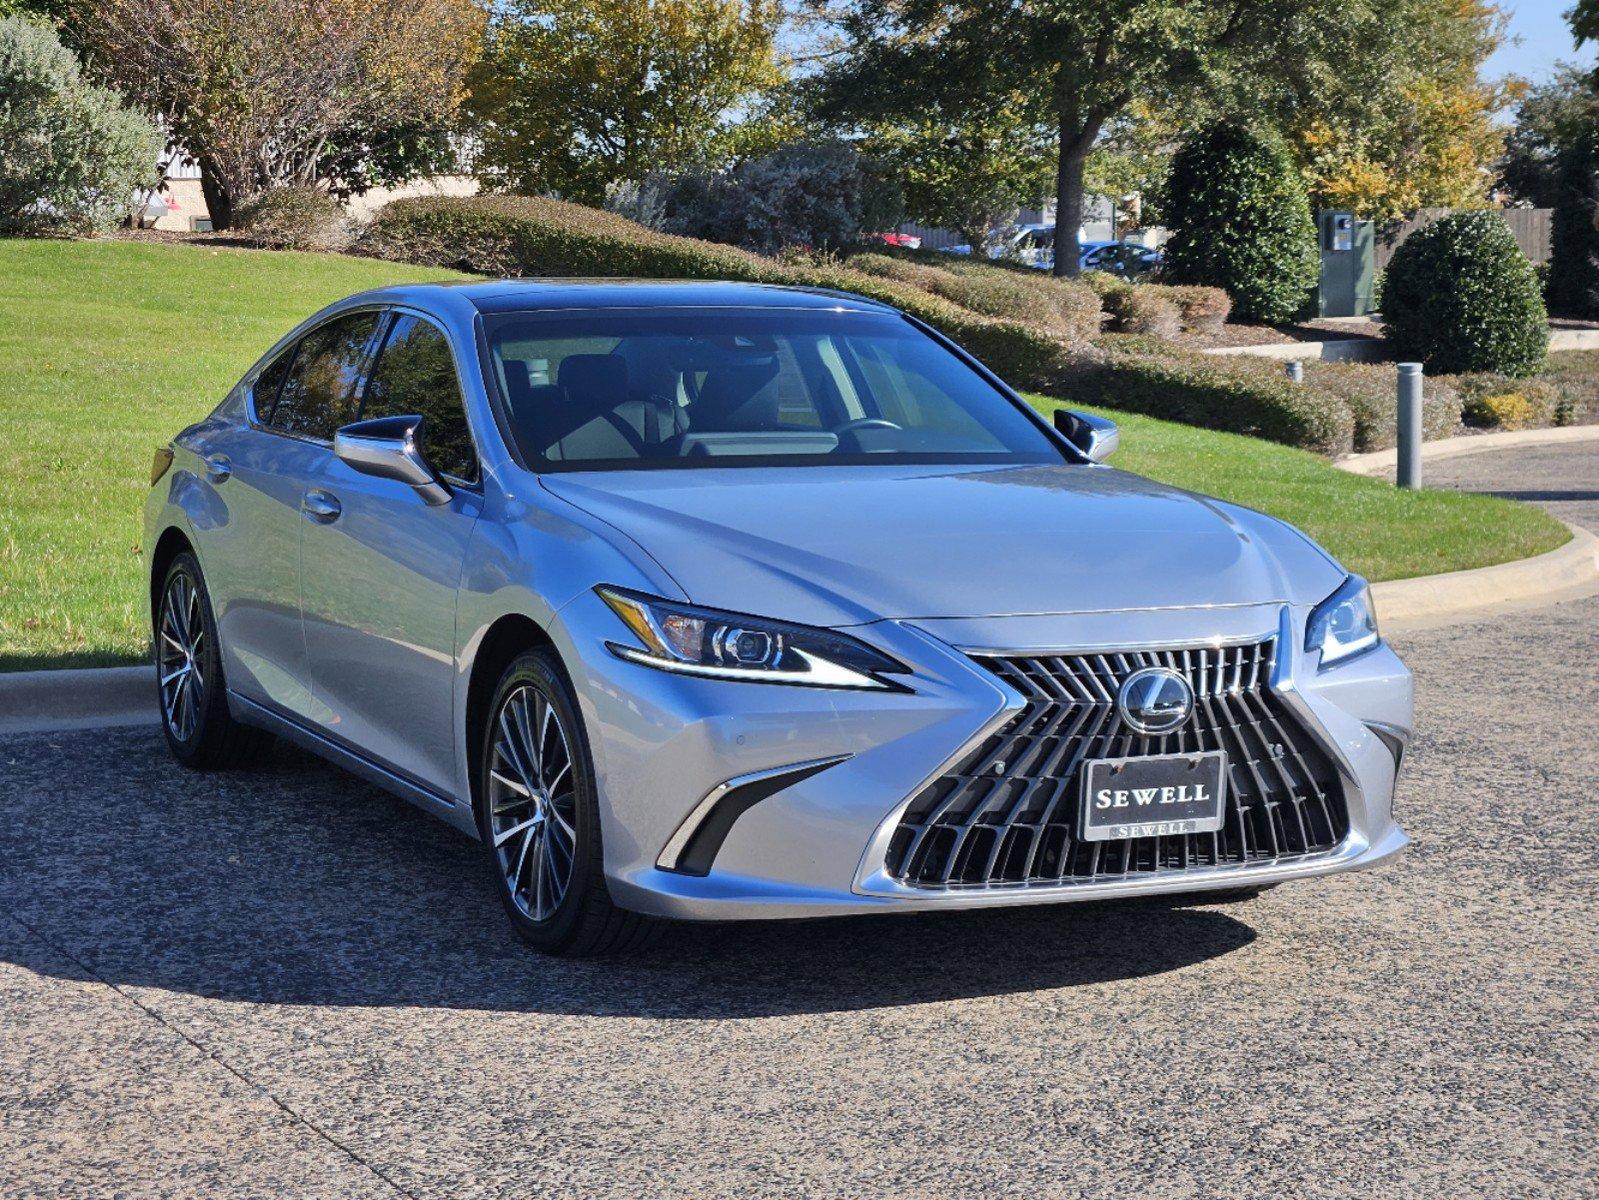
704	601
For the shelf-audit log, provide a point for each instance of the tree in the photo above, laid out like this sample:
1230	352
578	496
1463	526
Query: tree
1407	121
1241	222
576	95
1574	240
967	172
284	93
1550	118
1081	63
72	155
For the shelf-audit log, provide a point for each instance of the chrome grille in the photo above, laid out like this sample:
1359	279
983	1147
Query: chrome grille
1008	813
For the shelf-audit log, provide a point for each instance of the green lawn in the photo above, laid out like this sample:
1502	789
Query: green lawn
108	348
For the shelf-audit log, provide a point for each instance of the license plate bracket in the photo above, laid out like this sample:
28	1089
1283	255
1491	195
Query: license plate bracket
1152	796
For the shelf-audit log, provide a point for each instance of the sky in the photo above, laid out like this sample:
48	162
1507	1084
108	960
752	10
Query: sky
1544	39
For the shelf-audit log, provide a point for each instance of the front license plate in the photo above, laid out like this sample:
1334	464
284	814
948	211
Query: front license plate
1152	796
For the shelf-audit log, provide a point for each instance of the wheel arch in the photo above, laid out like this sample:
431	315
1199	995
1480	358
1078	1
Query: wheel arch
172	542
509	636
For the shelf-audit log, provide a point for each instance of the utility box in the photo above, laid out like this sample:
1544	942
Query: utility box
1348	264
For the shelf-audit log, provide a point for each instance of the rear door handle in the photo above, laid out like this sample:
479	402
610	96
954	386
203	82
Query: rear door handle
321	507
218	468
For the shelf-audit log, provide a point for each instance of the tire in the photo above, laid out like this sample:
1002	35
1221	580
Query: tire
539	821
200	731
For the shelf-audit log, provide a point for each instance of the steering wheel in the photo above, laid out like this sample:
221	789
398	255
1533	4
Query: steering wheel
867	423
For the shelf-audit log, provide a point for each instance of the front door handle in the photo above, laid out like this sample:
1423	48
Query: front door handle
218	468
321	507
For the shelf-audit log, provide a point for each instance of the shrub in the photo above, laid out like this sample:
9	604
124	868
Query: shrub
1459	295
1144	310
293	219
1371	392
1064	306
1575	374
1104	283
1204	309
72	155
818	195
1242	223
1237	394
1494	401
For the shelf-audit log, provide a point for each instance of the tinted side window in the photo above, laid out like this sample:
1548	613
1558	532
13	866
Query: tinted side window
318	396
415	375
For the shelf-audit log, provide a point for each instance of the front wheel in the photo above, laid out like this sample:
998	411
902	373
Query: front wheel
200	730
539	818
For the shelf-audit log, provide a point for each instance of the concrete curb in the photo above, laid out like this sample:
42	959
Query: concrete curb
97	698
1568	572
1374	349
1378	462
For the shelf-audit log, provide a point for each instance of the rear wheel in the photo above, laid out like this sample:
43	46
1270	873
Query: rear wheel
539	818
200	730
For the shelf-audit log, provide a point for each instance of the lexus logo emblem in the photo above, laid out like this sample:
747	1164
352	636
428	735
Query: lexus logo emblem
1155	700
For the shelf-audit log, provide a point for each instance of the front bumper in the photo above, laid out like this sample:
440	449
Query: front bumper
661	743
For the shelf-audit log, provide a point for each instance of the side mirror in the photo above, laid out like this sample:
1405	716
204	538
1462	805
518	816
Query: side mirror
387	448
1094	436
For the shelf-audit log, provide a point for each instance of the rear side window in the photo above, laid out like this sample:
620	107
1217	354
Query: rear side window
319	394
415	376
270	382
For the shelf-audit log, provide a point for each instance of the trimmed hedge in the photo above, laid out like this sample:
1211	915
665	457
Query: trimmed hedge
1241	395
1370	392
528	236
293	219
1144	309
1459	295
536	236
1495	401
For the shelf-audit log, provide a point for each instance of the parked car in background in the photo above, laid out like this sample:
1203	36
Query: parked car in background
905	241
1127	259
712	600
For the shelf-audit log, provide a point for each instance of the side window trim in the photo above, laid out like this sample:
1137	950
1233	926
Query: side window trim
286	357
364	371
375	352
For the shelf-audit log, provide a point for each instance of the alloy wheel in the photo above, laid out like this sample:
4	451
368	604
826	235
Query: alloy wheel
532	802
180	655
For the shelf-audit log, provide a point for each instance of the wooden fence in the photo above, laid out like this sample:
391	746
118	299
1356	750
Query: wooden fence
1529	225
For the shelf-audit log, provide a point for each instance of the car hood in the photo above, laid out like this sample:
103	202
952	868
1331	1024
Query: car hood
848	545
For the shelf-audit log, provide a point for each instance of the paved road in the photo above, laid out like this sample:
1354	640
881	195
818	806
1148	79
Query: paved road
1562	478
284	983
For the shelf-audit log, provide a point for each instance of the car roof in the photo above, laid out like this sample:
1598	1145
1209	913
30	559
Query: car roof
523	295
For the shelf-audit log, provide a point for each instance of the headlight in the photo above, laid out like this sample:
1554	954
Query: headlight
702	641
1344	624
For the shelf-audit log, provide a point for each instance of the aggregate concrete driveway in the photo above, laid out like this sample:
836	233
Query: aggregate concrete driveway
285	983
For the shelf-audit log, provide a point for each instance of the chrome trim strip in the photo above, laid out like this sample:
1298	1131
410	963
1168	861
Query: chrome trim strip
1247	639
672	853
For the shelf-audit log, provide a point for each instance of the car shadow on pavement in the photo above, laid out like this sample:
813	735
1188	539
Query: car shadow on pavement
296	884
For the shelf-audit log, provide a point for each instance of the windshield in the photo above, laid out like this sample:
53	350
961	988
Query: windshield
605	390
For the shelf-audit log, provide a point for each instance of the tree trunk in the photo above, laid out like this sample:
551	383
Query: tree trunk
1069	198
216	196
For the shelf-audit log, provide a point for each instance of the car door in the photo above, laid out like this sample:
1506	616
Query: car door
259	471
380	567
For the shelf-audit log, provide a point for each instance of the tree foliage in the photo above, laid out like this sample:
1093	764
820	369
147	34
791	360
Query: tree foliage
1407	121
1551	117
576	95
1241	222
1080	63
968	171
284	93
72	154
1574	240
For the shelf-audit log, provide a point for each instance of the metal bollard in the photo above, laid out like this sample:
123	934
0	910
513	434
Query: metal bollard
1295	370
1409	473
